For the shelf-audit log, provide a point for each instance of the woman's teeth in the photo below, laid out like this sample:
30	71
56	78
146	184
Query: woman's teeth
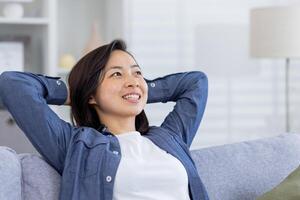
132	96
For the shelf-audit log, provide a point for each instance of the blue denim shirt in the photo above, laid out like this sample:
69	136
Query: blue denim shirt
88	159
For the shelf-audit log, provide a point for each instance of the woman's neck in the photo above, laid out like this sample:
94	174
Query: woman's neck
119	125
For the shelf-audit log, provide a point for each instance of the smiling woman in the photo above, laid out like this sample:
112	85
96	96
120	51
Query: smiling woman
98	84
121	94
111	153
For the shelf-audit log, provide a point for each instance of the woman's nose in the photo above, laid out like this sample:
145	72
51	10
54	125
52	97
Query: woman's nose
132	82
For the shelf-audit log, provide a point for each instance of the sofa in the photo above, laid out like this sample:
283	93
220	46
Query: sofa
239	171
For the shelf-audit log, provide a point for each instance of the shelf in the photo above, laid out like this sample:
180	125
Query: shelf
16	1
25	21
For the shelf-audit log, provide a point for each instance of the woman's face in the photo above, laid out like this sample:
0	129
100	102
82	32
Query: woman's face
123	90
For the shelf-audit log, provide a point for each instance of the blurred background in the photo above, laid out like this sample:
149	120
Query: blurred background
247	91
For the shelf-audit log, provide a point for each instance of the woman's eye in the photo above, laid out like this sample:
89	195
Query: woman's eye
139	72
116	74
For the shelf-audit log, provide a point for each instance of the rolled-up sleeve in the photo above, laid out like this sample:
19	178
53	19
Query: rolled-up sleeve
26	96
189	90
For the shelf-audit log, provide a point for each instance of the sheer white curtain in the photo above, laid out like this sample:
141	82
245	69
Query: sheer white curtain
246	95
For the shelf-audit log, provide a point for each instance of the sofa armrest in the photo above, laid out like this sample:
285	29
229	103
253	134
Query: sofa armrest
44	183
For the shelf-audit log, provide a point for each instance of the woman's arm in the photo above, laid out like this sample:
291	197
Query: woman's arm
26	96
189	91
1	104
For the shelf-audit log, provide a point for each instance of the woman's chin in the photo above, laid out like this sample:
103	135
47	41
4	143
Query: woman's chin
132	112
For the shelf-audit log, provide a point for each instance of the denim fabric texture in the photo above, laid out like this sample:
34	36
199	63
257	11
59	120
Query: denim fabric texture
88	159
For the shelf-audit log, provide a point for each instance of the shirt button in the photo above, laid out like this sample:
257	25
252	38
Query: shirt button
58	82
152	84
115	152
108	179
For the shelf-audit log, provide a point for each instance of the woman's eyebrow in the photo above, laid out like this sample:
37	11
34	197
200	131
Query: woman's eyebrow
120	67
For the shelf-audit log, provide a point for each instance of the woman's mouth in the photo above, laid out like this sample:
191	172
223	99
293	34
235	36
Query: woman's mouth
132	98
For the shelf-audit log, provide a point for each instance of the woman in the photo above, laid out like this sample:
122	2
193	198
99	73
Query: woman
111	152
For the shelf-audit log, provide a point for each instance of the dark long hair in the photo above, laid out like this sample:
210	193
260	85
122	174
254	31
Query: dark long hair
83	81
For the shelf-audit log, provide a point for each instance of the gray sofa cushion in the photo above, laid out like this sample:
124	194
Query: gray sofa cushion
39	180
10	173
247	170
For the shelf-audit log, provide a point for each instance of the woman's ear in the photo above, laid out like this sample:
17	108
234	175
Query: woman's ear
92	100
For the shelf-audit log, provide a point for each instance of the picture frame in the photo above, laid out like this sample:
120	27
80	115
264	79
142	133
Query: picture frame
12	53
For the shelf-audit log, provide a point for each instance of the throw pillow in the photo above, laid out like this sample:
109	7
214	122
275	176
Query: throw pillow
288	189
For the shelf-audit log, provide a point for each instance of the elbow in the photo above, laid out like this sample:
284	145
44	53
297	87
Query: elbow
202	84
6	79
3	79
202	80
198	77
202	76
6	75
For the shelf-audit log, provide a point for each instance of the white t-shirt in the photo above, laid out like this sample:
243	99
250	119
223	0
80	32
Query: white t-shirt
147	172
